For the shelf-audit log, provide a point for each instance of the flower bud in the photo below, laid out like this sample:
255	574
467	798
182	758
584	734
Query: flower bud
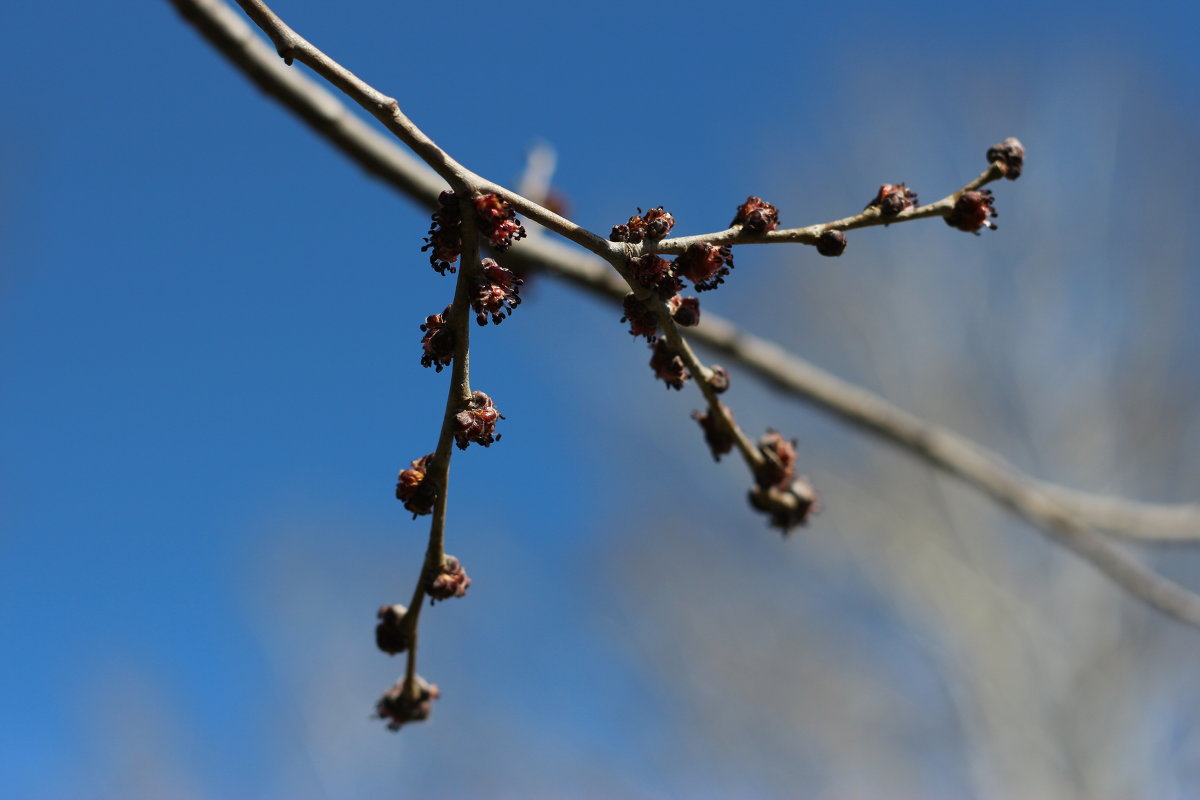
756	216
705	265
668	366
391	635
398	708
450	581
1011	154
498	221
496	292
476	422
831	243
971	212
437	344
414	488
893	198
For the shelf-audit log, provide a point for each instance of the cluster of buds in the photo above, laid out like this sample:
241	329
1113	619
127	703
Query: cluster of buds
831	243
392	636
450	581
705	265
656	274
445	234
893	198
668	366
1010	153
414	489
399	708
654	224
971	211
476	421
437	345
719	438
498	221
787	499
642	321
497	292
756	216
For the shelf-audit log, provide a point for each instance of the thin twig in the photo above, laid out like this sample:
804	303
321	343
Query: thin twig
811	234
292	46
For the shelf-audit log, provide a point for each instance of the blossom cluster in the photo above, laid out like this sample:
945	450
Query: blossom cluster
476	421
789	500
414	489
654	224
496	220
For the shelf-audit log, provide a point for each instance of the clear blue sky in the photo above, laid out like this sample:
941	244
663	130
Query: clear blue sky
209	360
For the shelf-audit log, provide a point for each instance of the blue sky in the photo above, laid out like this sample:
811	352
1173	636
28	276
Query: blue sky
209	361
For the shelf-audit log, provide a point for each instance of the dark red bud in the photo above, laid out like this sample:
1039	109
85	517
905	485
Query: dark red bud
685	311
668	367
831	243
971	212
893	198
756	216
391	635
414	489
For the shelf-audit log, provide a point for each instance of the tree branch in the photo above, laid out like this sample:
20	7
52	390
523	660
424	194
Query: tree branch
869	217
1066	515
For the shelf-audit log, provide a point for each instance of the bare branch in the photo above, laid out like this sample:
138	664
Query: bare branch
811	234
1066	515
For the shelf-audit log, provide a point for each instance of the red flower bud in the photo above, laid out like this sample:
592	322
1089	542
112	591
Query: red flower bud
668	367
476	422
445	234
831	243
971	212
893	198
496	291
438	342
412	486
450	581
642	321
654	224
498	221
1011	154
720	439
705	265
655	273
756	216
